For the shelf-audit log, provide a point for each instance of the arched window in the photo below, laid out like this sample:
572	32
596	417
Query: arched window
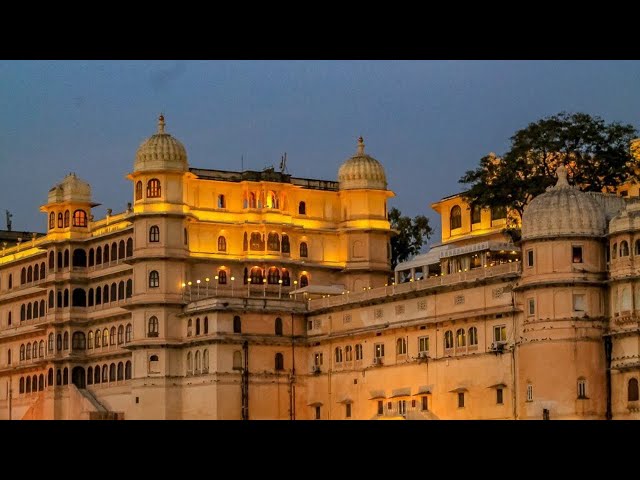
624	249
58	377
112	336
206	326
221	202
66	258
302	208
237	360
401	346
114	292
36	273
65	340
98	295
448	339
286	246
632	390
52	260
127	370
23	313
139	190
121	290
222	277
34	349
106	254
98	337
105	373
358	351
22	353
28	389
9	357
278	326
189	327
205	361
473	336
50	378
257	243
99	256
41	382
128	333
154	279
21	384
51	299
79	218
90	298
154	328
78	341
338	354
42	270
92	257
78	298
304	281
304	252
120	371
112	372
96	374
60	220
614	251
279	361
273	276
455	217
23	276
348	353
476	211
461	338
121	249
286	280
237	324
120	335
189	363
252	200
273	242
245	243
636	249
130	247
198	363
114	252
154	234
90	340
197	326
256	276
66	218
65	302
129	289
65	376
222	244
50	343
153	188
52	220
90	376
29	274
105	337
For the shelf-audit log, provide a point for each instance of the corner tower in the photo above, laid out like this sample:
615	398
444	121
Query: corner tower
364	220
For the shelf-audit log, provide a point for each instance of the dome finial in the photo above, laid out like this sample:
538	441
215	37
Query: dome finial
161	123
360	145
561	173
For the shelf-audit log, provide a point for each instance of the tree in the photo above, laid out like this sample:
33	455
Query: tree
597	156
411	235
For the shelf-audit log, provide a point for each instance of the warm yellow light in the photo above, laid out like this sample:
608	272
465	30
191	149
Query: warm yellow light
264	280
233	278
216	277
198	281
189	283
280	281
184	284
207	279
295	282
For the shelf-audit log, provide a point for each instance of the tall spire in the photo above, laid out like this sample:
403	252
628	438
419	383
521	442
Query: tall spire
360	146
561	173
161	123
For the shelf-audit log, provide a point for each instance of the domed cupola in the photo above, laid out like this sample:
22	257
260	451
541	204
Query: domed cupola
562	211
161	152
71	189
362	171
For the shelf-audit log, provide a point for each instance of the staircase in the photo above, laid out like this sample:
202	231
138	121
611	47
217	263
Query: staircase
100	413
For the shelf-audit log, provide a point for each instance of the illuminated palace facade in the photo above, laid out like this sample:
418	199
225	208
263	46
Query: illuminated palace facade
259	295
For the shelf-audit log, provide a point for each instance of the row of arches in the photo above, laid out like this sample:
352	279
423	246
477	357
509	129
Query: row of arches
623	249
108	373
348	353
103	254
30	311
33	273
94	375
205	327
113	336
79	219
455	215
82	298
461	338
273	275
198	363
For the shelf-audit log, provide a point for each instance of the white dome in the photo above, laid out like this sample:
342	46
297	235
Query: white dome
628	219
563	210
161	152
71	189
362	171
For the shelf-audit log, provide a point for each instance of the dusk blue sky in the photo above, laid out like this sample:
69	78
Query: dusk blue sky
426	121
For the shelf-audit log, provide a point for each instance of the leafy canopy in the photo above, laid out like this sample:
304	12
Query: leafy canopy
412	234
597	156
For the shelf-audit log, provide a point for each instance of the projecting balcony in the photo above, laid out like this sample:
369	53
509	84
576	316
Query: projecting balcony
418	285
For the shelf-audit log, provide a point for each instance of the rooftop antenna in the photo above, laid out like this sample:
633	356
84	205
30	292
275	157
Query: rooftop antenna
283	163
9	215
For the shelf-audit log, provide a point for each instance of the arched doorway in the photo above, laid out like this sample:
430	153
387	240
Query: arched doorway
78	377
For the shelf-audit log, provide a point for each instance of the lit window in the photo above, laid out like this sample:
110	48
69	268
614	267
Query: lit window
448	339
79	218
222	202
500	333
378	350
473	336
154	279
461	340
154	234
317	359
455	217
153	188
139	190
222	244
576	254
153	327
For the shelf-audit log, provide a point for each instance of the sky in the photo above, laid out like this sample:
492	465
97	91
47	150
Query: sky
426	121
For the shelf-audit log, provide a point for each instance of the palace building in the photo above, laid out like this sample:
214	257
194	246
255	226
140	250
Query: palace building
259	295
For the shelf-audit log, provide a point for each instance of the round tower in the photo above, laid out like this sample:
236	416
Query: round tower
68	207
560	355
363	200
